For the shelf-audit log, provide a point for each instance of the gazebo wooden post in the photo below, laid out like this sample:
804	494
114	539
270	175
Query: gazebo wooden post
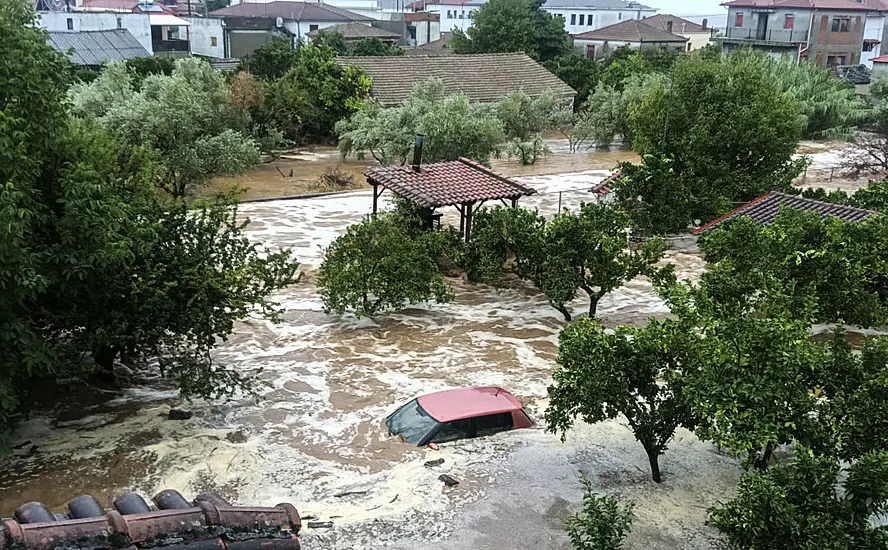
375	196
462	219
470	211
515	202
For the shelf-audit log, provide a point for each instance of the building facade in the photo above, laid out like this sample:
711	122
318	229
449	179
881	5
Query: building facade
698	34
137	24
827	34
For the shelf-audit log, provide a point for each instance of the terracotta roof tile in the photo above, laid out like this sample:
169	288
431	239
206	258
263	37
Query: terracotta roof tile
483	77
679	25
631	30
764	210
355	31
447	183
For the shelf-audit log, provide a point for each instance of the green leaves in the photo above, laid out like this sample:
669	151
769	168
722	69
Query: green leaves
603	522
381	265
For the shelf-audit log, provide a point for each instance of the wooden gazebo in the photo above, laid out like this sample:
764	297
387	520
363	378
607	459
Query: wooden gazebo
462	183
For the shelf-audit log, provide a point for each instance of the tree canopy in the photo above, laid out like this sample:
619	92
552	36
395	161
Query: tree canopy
502	26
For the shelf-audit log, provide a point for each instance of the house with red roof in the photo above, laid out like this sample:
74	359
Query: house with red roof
828	33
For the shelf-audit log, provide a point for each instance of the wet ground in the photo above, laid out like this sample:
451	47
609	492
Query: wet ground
316	437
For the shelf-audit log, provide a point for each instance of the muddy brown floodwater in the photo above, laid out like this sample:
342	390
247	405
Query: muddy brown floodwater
317	432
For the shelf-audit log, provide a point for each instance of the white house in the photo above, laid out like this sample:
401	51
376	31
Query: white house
207	36
453	14
138	24
588	15
633	33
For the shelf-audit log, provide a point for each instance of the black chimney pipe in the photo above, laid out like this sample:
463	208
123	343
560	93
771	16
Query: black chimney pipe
417	152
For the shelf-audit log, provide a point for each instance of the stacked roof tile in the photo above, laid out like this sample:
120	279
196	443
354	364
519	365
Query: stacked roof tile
764	210
209	522
355	31
482	77
631	30
295	11
447	183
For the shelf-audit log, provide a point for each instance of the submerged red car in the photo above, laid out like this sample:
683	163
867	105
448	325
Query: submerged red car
458	414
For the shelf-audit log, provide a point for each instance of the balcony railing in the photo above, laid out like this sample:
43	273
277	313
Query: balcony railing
785	36
170	45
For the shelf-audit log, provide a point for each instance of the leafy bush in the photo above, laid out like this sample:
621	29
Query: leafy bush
603	522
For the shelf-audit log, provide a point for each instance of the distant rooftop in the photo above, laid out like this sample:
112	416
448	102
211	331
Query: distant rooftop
631	30
844	5
294	11
356	31
598	4
764	210
679	25
483	78
94	48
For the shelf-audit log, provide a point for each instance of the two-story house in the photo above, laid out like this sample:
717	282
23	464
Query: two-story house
826	32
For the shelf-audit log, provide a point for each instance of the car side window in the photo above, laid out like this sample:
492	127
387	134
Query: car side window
450	431
493	423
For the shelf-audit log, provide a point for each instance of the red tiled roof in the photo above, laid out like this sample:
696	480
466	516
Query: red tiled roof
447	183
296	11
177	524
844	5
421	16
764	210
880	59
631	30
605	186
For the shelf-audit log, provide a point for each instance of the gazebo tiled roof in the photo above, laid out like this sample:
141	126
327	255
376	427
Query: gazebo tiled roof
764	210
447	183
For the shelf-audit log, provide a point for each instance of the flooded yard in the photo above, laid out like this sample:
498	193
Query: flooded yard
316	437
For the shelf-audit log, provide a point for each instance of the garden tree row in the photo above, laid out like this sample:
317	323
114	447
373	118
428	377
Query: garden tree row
94	262
388	262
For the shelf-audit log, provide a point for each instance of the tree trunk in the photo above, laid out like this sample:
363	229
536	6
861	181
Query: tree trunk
593	305
654	459
104	358
762	462
563	311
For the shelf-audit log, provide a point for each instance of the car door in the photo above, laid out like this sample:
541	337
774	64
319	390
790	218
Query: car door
492	423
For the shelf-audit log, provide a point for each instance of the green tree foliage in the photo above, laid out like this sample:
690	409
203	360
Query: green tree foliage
588	250
141	67
600	120
187	118
730	134
213	5
869	156
633	372
333	40
603	522
452	127
577	71
308	101
808	505
524	119
272	60
655	197
380	265
830	107
374	47
514	26
841	264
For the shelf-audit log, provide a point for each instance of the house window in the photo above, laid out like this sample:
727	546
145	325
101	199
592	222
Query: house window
589	20
788	22
582	19
619	16
834	60
590	51
312	28
738	22
119	22
841	24
689	47
573	19
70	24
213	42
869	46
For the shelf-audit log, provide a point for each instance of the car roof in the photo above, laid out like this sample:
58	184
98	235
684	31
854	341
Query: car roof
448	405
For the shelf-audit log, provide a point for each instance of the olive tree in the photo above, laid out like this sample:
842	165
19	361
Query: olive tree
633	372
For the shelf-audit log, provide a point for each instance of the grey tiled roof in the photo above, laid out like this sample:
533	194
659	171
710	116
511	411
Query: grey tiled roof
356	31
98	47
483	78
294	11
597	4
764	210
679	25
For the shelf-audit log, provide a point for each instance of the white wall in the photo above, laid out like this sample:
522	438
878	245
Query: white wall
600	18
696	40
201	34
875	25
426	31
455	17
301	28
136	23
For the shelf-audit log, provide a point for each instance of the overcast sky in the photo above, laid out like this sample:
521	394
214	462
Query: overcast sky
687	7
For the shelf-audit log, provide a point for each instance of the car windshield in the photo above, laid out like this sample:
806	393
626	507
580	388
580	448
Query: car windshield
411	422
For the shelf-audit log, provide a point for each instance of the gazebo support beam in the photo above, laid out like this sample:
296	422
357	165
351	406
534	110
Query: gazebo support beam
462	218
377	192
515	202
470	213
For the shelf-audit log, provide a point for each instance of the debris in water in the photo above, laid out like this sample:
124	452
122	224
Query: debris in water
448	481
236	437
176	414
23	444
320	524
433	463
433	447
349	493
